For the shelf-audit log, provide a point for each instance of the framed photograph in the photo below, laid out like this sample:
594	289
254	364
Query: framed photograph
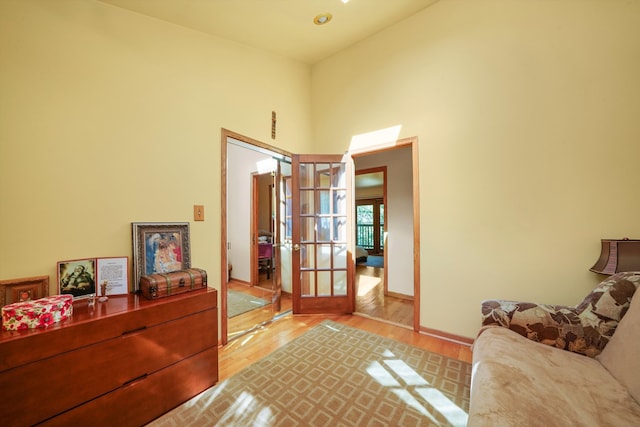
113	273
159	247
77	277
20	290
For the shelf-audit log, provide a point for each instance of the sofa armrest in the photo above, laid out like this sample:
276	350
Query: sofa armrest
555	325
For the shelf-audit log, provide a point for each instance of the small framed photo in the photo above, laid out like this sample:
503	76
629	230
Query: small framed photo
113	274
77	277
21	290
159	247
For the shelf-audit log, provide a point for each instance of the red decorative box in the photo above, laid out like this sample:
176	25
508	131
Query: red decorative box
38	313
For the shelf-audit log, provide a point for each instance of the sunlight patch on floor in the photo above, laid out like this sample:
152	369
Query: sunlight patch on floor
409	386
410	400
455	415
366	284
405	372
246	409
246	404
380	374
332	328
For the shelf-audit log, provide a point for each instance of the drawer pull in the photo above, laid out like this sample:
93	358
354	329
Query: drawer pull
135	380
141	328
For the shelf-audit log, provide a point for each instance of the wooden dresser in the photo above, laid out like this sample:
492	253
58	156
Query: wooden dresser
122	363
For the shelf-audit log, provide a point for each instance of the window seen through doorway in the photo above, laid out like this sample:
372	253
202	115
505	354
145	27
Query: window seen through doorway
370	225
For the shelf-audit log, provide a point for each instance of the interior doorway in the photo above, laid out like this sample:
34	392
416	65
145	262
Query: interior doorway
299	180
387	234
312	248
256	285
370	198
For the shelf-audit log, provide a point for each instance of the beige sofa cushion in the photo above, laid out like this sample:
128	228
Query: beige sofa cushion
519	382
621	356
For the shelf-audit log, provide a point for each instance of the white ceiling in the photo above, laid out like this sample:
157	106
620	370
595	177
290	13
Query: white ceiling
284	27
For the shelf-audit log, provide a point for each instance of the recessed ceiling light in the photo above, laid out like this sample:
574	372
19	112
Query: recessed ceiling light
322	18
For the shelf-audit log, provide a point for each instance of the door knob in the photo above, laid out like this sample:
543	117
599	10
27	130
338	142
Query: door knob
296	247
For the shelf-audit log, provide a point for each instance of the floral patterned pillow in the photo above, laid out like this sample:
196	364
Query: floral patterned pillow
585	328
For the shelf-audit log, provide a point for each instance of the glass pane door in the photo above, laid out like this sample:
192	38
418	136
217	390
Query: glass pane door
322	263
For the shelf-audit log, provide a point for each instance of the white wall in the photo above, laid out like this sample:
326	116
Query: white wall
241	164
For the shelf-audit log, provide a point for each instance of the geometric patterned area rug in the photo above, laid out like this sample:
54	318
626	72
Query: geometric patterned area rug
239	303
336	375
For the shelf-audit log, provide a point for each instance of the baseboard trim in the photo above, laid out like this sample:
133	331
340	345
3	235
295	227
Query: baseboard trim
458	339
399	296
239	282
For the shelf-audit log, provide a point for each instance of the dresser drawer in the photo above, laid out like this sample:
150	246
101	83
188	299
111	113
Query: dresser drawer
111	319
139	402
93	370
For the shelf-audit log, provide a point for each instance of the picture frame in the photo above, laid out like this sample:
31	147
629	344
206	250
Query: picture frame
115	272
159	247
77	277
25	289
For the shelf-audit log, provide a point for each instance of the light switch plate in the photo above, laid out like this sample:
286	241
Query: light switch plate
198	212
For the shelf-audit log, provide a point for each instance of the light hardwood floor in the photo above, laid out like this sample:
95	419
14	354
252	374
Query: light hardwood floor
371	300
237	325
245	350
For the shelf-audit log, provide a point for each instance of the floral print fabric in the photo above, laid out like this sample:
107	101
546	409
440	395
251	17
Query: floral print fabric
39	313
585	328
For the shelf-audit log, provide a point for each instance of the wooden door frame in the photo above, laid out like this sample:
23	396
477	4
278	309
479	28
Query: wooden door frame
225	134
411	142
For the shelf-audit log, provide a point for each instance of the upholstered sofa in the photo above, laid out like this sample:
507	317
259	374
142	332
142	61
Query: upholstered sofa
544	365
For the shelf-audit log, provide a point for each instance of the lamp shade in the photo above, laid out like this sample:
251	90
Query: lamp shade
617	256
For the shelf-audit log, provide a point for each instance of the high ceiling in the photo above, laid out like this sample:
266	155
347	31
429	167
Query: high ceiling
284	27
